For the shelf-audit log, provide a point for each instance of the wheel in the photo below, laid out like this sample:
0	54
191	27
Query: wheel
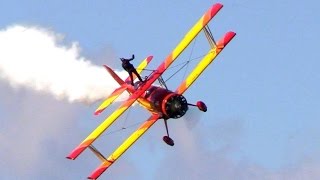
168	140
202	106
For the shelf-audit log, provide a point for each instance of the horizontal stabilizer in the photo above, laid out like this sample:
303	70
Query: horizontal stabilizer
115	94
114	75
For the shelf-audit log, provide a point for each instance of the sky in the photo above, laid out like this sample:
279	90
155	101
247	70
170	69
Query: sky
261	91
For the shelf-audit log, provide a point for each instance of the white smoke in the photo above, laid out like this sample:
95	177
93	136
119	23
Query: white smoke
33	57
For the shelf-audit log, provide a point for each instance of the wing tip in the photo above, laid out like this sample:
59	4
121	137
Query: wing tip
96	113
229	36
216	7
232	33
97	173
211	13
149	58
69	157
76	152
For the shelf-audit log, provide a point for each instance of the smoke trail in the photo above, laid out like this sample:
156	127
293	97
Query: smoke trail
35	58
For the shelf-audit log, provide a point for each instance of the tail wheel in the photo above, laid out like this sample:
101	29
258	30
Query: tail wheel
168	140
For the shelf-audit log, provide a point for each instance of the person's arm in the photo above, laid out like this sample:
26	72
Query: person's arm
131	57
128	59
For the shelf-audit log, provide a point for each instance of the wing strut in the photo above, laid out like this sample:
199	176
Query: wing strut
209	36
97	153
204	63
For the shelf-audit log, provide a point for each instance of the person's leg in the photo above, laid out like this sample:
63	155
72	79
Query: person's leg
131	77
138	76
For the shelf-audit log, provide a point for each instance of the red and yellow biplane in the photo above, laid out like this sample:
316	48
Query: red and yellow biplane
160	101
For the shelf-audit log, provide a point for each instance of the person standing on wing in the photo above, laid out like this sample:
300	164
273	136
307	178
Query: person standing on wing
130	68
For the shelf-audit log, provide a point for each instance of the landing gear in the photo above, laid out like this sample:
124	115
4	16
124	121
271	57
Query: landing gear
200	105
167	139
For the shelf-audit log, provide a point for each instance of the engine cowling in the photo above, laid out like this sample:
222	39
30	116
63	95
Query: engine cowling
170	104
174	105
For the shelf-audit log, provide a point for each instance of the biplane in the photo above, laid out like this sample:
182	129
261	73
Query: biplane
162	103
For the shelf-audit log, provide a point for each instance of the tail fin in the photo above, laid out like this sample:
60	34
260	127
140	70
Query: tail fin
114	75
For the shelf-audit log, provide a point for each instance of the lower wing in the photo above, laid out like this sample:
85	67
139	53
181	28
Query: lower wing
108	121
124	146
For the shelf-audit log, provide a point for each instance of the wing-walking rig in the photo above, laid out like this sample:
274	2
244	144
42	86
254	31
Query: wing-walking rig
159	101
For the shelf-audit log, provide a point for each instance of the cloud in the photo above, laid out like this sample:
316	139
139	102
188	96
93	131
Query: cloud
37	58
37	129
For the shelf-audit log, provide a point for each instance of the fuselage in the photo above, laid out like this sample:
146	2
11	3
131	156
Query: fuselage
164	101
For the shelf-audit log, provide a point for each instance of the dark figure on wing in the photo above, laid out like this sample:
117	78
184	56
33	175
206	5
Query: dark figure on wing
130	68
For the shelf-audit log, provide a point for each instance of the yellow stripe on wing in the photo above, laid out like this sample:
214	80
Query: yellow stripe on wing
102	127
110	99
133	138
141	67
124	146
107	122
204	63
193	32
144	64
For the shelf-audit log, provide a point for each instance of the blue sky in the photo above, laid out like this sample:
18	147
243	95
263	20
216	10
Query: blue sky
262	91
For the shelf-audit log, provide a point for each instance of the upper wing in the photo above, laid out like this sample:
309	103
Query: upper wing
203	64
193	32
124	146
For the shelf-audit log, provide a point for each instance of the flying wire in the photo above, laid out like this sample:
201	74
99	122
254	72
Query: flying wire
126	118
123	128
190	55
